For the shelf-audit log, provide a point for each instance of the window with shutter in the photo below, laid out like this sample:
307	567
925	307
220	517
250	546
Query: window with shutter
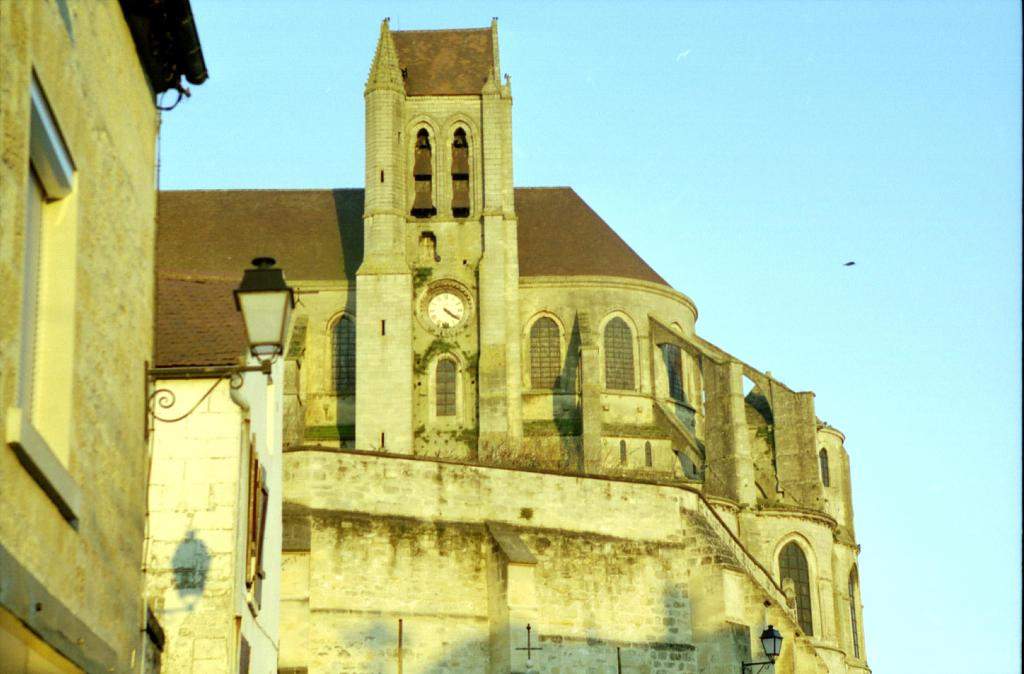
423	177
460	175
39	421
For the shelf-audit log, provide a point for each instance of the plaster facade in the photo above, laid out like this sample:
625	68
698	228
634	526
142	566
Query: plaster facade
197	574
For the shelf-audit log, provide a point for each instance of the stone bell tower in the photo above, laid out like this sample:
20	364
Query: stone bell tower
438	363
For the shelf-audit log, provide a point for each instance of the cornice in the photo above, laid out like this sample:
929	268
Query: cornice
606	282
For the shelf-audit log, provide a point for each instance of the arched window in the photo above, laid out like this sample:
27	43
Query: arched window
648	455
793	566
343	356
618	356
460	175
444	387
673	359
622	452
853	612
545	353
823	460
423	177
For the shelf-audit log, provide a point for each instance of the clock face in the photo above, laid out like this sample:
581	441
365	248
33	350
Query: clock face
446	310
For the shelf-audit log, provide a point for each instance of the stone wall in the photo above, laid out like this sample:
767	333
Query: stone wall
86	63
466	556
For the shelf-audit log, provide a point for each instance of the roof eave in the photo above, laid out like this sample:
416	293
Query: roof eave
167	42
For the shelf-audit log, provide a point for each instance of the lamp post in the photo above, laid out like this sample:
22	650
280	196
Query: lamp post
771	642
265	302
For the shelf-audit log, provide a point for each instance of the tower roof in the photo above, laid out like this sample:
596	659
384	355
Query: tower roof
445	62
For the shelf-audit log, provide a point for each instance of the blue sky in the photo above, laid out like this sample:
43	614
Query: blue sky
748	150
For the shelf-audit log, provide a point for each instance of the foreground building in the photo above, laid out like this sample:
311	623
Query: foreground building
78	129
502	431
213	544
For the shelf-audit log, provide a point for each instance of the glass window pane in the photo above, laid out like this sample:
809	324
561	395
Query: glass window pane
445	388
618	356
343	366
545	354
793	566
673	360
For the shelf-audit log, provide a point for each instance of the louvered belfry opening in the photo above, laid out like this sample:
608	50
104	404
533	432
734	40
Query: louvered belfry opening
460	175
423	177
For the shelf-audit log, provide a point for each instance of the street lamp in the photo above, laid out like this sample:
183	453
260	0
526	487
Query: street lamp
771	642
265	302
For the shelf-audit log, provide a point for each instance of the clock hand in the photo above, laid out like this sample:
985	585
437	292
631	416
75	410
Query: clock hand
447	311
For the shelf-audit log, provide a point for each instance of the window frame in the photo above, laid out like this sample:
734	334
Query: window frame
334	326
51	173
558	384
663	351
811	608
445	419
823	468
633	353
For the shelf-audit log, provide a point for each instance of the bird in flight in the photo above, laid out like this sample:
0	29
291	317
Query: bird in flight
850	263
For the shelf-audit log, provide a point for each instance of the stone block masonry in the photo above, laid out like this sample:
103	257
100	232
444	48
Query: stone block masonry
466	556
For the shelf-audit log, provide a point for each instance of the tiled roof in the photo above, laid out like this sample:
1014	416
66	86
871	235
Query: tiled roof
560	235
206	238
444	62
313	234
197	323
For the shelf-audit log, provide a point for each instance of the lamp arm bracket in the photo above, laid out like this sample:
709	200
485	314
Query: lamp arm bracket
164	398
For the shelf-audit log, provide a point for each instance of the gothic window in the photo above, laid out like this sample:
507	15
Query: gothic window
853	612
545	354
343	363
622	452
423	177
460	175
793	566
673	360
618	356
648	455
444	387
823	460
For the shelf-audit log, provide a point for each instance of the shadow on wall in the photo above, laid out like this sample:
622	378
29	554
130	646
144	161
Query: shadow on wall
670	646
191	563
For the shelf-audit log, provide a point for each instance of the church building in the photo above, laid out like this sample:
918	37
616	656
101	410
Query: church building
506	447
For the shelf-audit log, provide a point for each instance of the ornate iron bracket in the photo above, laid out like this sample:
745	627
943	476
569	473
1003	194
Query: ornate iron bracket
165	398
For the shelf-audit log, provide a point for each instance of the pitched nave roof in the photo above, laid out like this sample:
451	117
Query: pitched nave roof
206	238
